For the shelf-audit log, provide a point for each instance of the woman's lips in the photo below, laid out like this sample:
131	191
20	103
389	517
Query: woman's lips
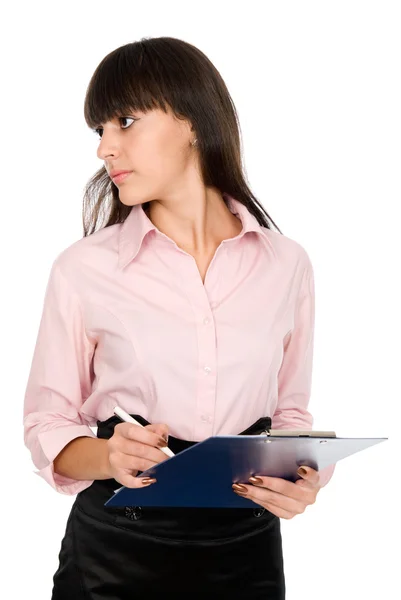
121	177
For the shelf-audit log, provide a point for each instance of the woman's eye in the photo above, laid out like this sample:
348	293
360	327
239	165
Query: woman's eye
125	119
100	129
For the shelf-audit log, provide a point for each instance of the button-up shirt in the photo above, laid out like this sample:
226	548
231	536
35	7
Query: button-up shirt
128	321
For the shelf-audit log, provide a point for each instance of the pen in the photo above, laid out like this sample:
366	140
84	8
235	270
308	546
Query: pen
128	419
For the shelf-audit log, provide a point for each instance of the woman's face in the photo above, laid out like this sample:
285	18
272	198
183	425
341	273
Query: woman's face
154	146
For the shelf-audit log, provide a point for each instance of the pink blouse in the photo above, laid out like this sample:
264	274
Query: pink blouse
127	320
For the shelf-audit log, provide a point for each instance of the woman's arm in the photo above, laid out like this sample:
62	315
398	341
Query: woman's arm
84	458
59	382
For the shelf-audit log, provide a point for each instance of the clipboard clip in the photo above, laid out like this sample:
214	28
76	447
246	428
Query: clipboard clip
306	433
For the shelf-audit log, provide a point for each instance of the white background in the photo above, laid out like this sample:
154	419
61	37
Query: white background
317	89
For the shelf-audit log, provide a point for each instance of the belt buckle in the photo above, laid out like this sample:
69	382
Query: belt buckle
133	512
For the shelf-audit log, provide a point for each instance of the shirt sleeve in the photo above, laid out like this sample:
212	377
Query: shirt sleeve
59	382
295	375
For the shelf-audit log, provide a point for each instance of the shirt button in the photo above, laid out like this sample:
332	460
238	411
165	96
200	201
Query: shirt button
206	320
206	418
207	369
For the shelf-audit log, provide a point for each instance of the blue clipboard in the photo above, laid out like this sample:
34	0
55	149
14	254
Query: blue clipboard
202	475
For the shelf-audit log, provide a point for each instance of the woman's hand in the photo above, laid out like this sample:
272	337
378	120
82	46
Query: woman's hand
133	448
283	498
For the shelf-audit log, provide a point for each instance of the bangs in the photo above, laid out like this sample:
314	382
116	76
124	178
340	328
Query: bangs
124	82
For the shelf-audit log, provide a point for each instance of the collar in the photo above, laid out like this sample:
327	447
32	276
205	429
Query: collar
137	225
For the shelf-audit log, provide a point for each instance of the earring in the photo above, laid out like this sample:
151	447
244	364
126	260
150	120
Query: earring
194	142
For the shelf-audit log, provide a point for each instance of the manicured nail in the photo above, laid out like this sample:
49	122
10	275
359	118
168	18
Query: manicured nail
302	471
162	443
256	480
148	480
241	489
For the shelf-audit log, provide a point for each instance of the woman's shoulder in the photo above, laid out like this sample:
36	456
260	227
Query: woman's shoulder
286	248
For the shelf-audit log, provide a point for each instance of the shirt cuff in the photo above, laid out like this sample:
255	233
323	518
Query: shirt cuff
63	485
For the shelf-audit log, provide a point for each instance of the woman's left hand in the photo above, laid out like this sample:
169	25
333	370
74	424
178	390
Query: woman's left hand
283	498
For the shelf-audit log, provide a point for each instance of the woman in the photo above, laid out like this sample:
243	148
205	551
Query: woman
188	311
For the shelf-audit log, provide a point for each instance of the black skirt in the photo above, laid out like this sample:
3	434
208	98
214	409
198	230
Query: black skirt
122	553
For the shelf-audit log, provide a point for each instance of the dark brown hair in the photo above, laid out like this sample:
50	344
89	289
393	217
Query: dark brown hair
148	74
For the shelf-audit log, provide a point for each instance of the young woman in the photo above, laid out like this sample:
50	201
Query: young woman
188	311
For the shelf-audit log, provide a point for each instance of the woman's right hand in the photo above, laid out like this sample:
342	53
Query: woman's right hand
132	448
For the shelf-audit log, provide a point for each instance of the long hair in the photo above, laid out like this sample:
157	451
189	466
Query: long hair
149	74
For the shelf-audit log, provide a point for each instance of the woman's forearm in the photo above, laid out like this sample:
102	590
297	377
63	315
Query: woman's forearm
84	458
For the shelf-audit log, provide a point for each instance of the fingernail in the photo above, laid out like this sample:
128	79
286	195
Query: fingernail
302	471
256	480
237	487
162	443
148	480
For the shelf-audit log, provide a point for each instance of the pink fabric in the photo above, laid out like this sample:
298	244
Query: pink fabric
127	320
